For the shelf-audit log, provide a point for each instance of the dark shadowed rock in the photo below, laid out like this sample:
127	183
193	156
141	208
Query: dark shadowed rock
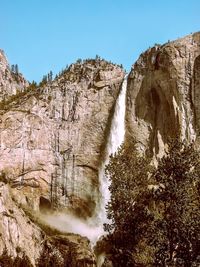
163	94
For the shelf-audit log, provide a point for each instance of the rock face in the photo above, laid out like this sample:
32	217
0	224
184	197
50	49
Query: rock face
52	139
11	82
51	144
163	94
21	238
16	228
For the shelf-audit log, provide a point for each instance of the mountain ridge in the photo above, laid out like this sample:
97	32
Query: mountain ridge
53	137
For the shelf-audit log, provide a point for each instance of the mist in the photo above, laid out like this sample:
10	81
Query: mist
67	222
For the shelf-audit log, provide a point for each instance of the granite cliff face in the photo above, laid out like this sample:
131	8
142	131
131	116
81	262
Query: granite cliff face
27	241
163	94
11	82
52	139
52	142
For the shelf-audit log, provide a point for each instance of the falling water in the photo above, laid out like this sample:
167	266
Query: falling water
93	227
115	139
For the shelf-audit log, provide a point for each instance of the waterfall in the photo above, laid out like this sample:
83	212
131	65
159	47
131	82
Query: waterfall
115	139
93	227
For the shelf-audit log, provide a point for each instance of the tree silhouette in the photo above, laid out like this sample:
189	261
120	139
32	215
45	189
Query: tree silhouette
16	69
155	214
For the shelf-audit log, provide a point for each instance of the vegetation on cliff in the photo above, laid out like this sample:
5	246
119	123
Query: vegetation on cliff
7	261
155	213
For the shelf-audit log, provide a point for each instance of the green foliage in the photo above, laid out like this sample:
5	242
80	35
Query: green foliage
155	214
8	261
98	58
46	79
4	104
127	209
15	69
54	254
78	71
79	61
179	172
15	73
50	76
18	97
32	86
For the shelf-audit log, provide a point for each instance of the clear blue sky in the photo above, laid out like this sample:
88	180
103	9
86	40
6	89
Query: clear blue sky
43	35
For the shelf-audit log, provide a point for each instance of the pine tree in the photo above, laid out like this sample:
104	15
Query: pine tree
50	76
16	69
13	68
128	173
155	214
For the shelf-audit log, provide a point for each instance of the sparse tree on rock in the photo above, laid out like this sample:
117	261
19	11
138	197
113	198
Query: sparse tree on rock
16	69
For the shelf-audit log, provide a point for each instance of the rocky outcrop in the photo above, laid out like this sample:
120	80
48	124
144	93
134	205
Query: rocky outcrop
51	138
18	233
163	94
66	250
51	143
26	240
11	81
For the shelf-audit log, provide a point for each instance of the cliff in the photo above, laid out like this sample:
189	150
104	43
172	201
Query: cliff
53	137
52	142
163	94
11	81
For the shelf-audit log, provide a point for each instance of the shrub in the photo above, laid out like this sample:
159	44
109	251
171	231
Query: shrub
7	261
